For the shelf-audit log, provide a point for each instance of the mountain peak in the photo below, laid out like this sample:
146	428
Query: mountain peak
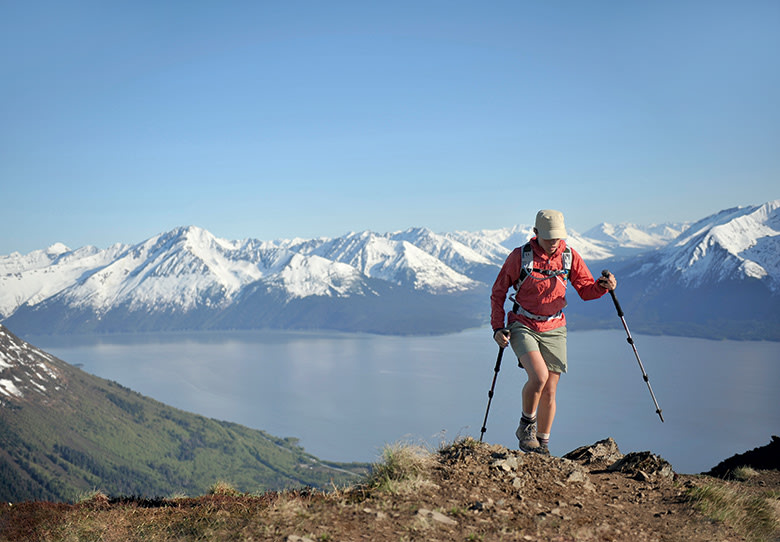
741	242
417	231
56	249
634	237
195	236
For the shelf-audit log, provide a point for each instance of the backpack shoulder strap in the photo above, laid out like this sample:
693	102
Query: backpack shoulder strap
566	259
528	264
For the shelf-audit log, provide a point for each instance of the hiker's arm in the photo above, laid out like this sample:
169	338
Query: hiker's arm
509	273
583	281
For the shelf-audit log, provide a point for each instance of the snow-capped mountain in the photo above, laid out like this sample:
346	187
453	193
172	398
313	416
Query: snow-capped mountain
735	244
417	258
412	280
720	277
632	238
34	277
496	244
188	278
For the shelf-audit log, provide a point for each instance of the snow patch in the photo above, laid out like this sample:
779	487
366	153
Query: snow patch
4	363
7	387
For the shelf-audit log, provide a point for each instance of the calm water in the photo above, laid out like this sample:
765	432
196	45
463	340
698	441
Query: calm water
347	396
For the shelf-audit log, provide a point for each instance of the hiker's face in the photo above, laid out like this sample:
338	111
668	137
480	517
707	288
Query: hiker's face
550	246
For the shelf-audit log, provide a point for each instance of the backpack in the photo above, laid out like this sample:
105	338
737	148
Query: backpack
528	268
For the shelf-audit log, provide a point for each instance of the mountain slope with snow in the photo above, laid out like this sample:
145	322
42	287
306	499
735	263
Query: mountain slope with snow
739	243
65	432
34	277
633	238
719	278
402	259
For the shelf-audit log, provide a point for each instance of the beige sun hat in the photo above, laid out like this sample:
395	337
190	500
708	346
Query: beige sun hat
549	224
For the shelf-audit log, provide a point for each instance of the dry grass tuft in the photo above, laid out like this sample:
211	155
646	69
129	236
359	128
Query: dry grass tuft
93	497
224	489
404	468
754	516
744	473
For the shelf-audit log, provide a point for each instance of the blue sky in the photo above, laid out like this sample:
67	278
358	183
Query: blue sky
121	120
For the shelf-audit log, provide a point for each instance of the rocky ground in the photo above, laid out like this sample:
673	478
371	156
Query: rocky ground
465	491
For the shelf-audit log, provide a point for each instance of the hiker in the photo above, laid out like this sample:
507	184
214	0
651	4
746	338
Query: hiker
539	271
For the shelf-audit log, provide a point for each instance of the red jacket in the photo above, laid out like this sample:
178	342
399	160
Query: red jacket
541	297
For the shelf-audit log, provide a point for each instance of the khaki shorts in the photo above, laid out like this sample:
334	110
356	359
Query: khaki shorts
551	344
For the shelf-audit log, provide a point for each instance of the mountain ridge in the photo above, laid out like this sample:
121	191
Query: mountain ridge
188	278
464	491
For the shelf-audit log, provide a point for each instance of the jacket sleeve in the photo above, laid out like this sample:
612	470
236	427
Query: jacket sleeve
508	275
583	281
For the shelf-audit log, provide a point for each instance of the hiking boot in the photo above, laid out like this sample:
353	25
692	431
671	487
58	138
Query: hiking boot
542	449
526	434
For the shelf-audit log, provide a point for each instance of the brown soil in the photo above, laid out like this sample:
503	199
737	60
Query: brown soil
467	491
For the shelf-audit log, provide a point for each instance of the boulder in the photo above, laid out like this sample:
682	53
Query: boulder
604	451
643	466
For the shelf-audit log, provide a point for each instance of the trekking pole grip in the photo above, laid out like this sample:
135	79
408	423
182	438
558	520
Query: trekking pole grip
605	273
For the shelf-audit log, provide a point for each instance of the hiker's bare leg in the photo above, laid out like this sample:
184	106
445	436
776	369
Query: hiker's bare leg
538	375
546	413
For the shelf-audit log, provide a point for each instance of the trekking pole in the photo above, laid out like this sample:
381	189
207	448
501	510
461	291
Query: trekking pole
630	339
492	389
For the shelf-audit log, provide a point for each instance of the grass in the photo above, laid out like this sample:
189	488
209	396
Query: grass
94	495
225	489
752	515
227	514
223	514
402	470
744	473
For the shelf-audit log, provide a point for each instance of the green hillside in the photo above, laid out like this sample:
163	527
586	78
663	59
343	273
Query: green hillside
64	432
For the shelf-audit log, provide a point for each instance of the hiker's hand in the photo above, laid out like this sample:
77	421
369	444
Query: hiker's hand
501	336
609	282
